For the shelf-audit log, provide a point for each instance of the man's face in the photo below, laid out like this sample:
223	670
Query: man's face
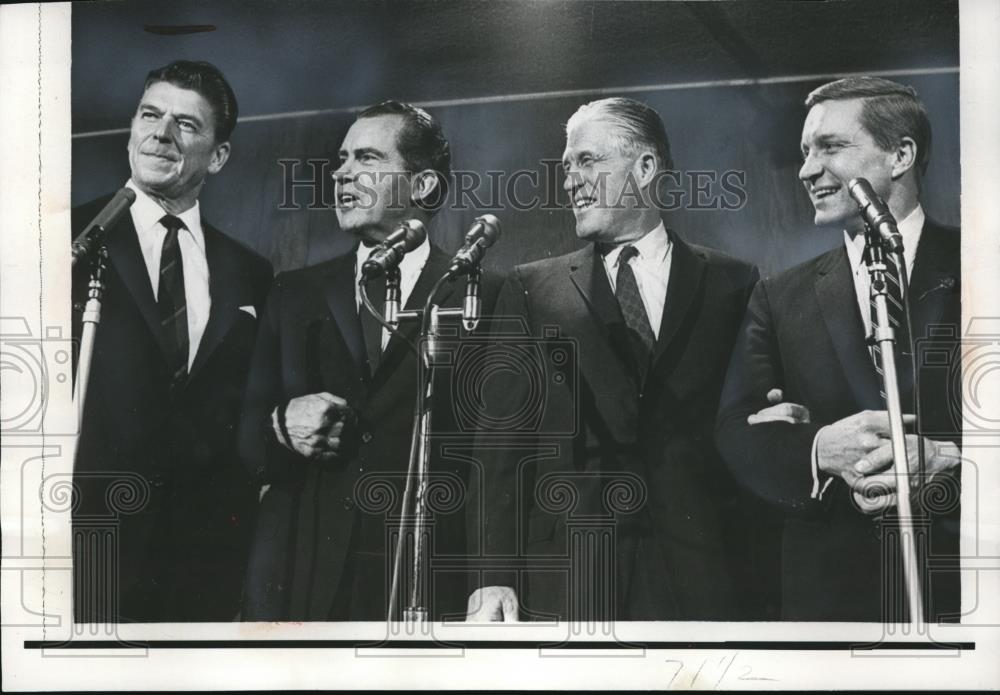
172	147
372	186
601	181
836	148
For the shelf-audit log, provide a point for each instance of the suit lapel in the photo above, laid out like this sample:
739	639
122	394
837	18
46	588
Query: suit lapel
591	281
686	272
839	307
227	286
126	258
935	275
588	275
396	349
339	292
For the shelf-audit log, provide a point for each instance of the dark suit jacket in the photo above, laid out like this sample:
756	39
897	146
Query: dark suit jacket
803	333
606	450
163	475
314	515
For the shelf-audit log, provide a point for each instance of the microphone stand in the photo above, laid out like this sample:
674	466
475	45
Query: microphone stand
884	336
415	492
91	320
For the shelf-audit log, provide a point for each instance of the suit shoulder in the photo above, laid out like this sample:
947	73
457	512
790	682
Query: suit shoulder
946	237
549	267
804	274
310	275
736	268
236	247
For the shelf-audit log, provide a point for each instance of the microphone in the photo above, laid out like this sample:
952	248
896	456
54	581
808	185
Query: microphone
483	234
472	309
406	237
876	213
94	233
390	310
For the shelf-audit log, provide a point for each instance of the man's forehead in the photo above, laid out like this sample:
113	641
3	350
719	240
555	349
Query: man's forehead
167	93
834	115
379	132
589	131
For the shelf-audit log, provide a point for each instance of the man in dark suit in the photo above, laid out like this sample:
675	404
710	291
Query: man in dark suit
164	508
619	472
329	408
825	456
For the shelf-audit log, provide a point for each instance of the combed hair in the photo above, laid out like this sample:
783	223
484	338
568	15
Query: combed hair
890	112
421	143
637	125
208	81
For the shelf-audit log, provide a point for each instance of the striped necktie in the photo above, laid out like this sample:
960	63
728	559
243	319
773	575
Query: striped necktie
897	320
634	311
170	303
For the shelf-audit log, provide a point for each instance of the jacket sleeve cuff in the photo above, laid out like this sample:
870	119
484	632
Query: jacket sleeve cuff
821	481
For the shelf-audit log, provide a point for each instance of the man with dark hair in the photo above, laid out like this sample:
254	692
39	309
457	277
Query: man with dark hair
328	413
164	509
825	456
620	475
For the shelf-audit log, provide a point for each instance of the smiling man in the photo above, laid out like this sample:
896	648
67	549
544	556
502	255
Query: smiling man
626	435
824	457
164	508
329	408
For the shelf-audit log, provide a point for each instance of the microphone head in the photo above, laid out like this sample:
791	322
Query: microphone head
862	192
412	234
490	226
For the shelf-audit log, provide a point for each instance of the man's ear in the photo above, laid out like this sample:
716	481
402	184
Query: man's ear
219	158
645	168
904	157
425	188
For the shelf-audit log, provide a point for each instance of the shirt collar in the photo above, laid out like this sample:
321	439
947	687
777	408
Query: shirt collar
910	228
652	247
147	213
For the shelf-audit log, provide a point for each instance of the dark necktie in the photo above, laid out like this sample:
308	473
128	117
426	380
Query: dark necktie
170	302
370	327
633	310
894	302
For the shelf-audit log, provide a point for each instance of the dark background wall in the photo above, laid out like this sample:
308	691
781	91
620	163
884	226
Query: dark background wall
503	77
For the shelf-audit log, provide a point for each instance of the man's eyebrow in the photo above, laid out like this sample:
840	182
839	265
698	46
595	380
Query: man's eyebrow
364	150
577	155
189	117
146	106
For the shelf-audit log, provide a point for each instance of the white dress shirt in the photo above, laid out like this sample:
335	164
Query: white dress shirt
146	215
651	268
409	270
910	228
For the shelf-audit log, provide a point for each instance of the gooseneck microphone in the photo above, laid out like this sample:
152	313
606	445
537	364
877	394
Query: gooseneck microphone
94	234
406	237
484	233
876	213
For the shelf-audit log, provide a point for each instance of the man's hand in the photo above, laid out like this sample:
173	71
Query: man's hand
493	604
315	425
842	445
792	413
938	457
877	491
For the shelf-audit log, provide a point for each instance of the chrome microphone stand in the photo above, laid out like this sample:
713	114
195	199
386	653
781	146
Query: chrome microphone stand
413	515
884	336
91	320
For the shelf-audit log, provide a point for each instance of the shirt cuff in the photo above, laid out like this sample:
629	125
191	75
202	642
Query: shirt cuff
818	489
279	428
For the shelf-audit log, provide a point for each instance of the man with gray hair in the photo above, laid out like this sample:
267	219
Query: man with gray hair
623	447
825	456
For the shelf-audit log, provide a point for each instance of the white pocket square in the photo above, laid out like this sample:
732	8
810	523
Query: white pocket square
249	309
